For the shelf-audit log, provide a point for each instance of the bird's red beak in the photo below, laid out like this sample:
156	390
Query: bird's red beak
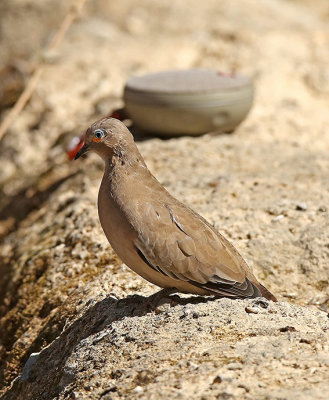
83	150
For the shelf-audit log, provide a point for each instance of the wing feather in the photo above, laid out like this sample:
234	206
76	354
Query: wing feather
178	243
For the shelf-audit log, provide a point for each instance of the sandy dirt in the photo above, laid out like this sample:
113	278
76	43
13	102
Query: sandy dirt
265	187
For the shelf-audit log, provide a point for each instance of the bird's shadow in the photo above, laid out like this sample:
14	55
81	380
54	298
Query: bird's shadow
97	317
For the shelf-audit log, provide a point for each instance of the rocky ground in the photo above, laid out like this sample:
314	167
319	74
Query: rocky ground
265	187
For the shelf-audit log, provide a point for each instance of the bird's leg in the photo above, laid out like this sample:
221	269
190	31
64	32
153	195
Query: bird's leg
160	297
153	301
133	299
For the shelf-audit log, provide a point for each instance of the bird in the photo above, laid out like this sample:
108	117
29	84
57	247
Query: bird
153	233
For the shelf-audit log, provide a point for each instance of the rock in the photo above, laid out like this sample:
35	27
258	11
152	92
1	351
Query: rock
301	207
278	218
252	310
27	367
75	361
287	329
138	390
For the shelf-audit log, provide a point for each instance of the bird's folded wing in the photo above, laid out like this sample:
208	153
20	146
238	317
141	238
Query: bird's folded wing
180	244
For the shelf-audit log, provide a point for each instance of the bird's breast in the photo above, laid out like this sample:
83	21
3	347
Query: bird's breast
114	222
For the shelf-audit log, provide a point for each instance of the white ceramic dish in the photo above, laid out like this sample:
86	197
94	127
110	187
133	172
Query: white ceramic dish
190	102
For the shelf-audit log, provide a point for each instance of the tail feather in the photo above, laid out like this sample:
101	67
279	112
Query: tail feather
265	293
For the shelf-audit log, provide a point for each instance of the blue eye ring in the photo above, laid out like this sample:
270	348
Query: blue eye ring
99	134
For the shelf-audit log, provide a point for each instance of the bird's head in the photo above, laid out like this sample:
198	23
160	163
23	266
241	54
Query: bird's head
106	137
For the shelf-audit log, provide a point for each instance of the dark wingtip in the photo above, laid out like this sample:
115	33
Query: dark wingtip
266	293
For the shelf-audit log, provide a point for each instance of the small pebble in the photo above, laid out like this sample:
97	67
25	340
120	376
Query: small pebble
303	340
288	329
217	379
301	207
138	389
192	365
278	218
261	303
28	366
251	310
290	295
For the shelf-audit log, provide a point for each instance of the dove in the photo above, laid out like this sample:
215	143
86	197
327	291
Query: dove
153	233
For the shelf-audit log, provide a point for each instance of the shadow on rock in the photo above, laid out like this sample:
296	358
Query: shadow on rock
28	200
44	375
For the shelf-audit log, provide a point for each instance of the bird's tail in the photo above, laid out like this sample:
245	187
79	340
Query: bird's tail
265	293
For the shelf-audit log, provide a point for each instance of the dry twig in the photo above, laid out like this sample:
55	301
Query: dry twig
32	83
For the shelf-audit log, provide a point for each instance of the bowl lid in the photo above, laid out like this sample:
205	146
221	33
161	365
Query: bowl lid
186	81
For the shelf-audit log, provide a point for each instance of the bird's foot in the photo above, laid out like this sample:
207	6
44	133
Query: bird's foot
133	299
152	302
161	297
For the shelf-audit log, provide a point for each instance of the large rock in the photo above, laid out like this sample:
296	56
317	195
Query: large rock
220	349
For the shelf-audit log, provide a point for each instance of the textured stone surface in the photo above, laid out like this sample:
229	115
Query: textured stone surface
265	187
117	349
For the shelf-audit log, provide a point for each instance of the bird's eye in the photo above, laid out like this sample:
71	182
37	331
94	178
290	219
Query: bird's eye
98	135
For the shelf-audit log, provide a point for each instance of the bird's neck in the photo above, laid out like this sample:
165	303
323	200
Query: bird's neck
123	156
123	170
128	185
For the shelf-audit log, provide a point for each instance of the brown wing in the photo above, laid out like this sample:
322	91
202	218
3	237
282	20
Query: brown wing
180	244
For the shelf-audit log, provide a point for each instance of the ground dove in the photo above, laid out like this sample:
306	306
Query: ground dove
157	236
